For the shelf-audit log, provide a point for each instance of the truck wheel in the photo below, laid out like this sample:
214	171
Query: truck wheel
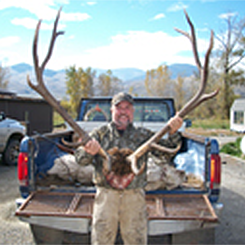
10	155
46	235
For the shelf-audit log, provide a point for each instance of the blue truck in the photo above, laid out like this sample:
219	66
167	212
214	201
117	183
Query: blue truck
60	211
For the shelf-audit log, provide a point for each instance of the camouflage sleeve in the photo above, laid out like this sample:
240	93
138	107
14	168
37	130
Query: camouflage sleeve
82	157
172	141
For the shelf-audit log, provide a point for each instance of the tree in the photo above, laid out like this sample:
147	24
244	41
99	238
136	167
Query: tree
3	81
179	92
231	53
79	84
108	84
158	81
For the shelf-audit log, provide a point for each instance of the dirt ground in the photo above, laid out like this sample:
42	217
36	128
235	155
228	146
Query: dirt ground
12	231
229	231
232	220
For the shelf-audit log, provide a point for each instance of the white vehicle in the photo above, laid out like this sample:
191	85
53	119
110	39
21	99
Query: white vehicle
11	133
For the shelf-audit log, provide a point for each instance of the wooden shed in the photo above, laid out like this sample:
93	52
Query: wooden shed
36	113
237	115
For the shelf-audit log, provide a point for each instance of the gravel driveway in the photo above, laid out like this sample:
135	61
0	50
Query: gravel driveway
230	230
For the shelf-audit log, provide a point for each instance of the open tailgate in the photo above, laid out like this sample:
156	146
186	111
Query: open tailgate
80	205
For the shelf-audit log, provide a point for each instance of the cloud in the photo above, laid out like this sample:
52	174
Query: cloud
137	49
177	7
91	3
158	16
228	15
8	41
30	23
6	49
74	16
44	9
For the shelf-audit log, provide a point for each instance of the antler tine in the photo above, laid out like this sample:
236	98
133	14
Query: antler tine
192	39
203	98
199	97
55	34
34	51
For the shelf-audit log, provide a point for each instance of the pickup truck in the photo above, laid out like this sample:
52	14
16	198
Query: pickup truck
11	133
60	211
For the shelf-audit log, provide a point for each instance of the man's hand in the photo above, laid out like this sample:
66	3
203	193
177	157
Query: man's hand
175	123
92	147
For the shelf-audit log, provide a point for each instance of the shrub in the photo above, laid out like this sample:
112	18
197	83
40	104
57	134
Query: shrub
233	148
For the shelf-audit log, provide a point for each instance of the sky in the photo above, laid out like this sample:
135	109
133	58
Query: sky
110	34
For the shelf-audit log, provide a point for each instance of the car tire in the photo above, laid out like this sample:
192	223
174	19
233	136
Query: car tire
10	155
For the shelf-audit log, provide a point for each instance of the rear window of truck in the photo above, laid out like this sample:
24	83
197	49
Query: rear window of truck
145	111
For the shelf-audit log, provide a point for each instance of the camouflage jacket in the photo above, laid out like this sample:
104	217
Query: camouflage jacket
132	138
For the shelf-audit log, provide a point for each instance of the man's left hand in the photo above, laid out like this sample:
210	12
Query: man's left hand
175	123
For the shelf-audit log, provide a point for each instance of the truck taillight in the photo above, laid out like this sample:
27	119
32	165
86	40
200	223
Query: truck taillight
215	171
23	168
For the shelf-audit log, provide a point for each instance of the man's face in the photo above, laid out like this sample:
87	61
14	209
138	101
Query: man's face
122	114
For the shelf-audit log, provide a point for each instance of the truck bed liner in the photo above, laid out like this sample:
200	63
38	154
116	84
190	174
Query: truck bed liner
80	205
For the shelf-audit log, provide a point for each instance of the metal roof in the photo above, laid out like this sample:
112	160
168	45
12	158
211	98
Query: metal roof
238	105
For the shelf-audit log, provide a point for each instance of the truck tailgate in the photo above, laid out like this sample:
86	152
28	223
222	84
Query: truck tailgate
80	205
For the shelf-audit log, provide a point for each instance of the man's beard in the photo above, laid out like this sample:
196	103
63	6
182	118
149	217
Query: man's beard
123	123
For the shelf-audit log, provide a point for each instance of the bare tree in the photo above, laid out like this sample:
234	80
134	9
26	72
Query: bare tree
230	54
3	81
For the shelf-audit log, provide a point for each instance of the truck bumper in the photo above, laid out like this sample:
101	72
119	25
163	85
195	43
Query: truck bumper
82	225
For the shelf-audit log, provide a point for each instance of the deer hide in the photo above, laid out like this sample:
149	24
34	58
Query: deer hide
119	165
66	168
163	176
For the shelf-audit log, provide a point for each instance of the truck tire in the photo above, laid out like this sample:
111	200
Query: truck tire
10	155
46	235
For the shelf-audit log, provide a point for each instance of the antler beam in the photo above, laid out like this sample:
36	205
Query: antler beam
44	92
198	98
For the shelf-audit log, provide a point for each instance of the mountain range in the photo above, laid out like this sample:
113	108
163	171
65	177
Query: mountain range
55	79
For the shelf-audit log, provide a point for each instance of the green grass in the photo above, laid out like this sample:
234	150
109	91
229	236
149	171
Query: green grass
211	123
57	119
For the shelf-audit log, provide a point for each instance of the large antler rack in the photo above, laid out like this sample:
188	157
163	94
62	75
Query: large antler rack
198	98
44	92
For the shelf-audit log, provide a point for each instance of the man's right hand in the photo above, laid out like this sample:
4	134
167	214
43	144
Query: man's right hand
92	147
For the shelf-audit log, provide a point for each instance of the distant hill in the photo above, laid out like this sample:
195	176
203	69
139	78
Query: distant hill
22	67
184	70
55	80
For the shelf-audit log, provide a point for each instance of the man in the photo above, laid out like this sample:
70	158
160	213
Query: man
121	204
